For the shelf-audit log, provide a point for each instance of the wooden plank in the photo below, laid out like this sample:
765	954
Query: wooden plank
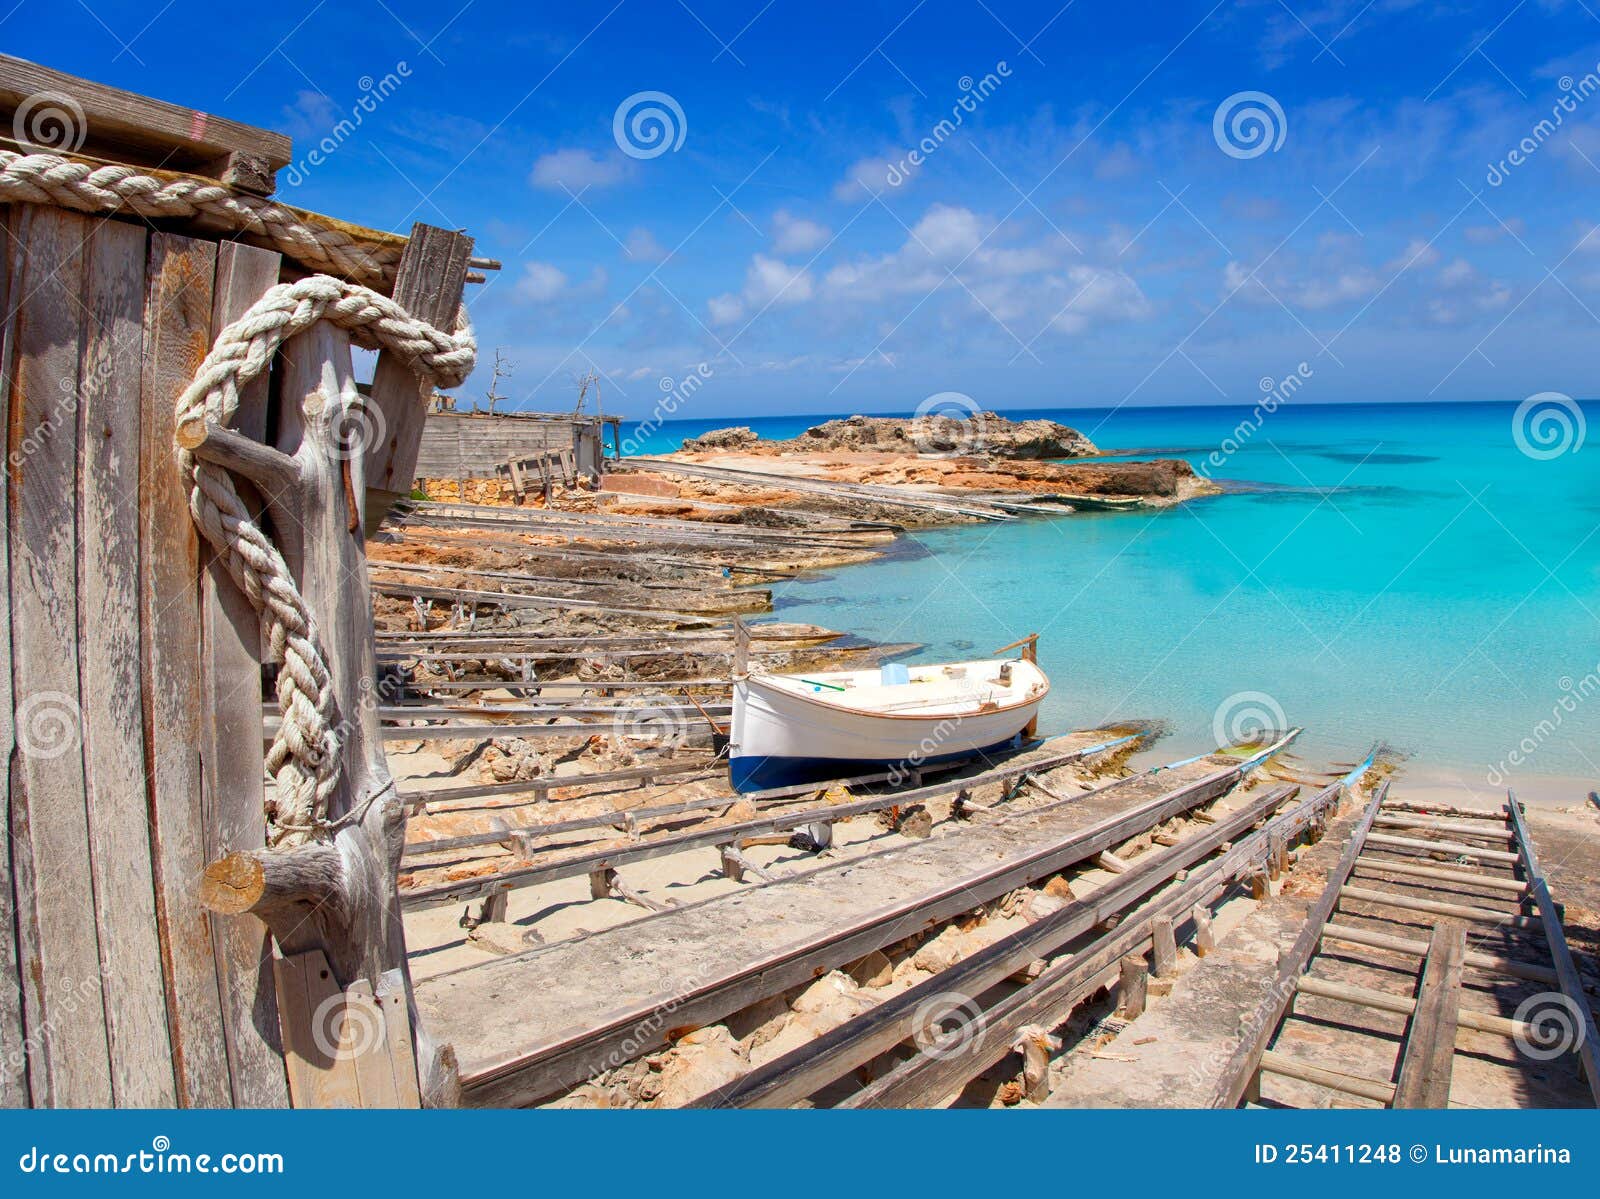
231	752
1046	1000
69	1064
800	1073
177	325
1261	1025
315	1033
428	284
1585	1035
133	128
13	1059
1334	1080
1428	1053
109	664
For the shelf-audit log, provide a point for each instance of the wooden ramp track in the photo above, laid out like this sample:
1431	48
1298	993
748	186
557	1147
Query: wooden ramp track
1098	941
1435	937
528	1026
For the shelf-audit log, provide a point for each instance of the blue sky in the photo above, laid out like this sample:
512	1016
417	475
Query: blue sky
1080	237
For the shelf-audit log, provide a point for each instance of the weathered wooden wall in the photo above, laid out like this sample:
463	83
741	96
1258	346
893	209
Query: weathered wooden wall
130	705
459	445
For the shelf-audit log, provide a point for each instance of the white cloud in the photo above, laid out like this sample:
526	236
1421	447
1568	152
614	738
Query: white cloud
642	246
948	234
574	170
767	282
1417	253
1100	294
796	235
1342	288
866	177
541	282
1456	273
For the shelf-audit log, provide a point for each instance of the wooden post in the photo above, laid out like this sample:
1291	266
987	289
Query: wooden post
428	284
1133	989
334	894
232	796
1164	949
1204	941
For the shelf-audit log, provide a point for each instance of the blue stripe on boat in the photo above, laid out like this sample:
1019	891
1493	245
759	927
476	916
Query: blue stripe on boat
760	773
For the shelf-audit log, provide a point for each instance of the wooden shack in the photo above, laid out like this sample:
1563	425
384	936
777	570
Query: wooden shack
473	445
174	929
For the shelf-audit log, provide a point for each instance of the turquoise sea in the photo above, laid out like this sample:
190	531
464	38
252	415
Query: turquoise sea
1403	573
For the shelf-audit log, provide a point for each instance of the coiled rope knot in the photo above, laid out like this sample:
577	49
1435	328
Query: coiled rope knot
305	754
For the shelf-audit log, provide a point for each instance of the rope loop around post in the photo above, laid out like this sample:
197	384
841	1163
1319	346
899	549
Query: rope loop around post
305	754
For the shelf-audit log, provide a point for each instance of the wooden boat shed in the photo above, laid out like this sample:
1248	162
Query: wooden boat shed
189	919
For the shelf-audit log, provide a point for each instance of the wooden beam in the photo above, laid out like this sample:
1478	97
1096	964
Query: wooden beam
428	284
1585	1035
128	127
1261	1025
1428	1052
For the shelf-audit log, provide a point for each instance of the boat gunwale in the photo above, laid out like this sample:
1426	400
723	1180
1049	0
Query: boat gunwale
1033	698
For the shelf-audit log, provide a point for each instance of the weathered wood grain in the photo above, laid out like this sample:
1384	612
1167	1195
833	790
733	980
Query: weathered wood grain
110	667
178	311
153	132
69	1052
428	284
231	754
13	1062
1430	1044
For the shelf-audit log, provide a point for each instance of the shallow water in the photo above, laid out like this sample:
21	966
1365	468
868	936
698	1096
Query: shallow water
1398	573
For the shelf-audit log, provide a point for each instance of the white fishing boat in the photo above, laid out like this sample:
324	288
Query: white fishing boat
802	728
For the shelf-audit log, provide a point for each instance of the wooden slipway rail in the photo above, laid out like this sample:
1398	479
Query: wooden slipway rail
965	1019
530	1025
1471	880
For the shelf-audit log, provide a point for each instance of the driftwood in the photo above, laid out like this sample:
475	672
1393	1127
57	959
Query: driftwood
335	894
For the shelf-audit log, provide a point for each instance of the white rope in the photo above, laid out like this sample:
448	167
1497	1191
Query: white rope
84	187
304	757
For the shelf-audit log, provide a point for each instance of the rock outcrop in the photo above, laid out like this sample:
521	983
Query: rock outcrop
983	434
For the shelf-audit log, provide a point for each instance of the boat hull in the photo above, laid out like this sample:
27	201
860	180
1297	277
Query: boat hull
780	738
